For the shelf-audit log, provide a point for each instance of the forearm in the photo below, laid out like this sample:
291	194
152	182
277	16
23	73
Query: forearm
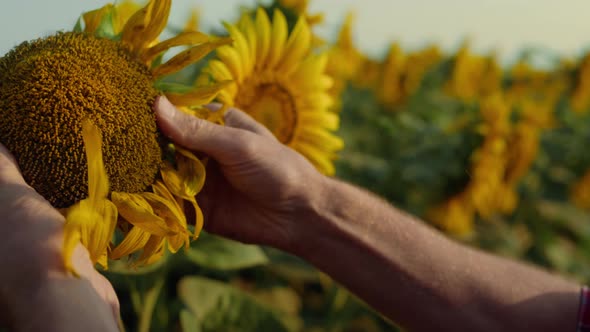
424	281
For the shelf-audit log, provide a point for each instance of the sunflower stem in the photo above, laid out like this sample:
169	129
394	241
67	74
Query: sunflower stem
149	304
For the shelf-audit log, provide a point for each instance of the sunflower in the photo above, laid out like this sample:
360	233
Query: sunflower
486	193
76	110
473	76
280	83
344	59
489	161
390	89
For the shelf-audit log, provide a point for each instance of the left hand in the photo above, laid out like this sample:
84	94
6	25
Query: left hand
36	292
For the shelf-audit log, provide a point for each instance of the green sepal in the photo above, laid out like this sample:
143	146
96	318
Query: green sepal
165	86
78	26
106	28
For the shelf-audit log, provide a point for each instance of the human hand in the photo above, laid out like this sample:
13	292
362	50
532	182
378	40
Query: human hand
257	189
36	292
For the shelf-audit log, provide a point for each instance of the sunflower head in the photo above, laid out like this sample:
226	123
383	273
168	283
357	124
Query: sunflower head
49	86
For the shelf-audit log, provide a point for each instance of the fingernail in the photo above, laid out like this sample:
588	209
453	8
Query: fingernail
214	106
164	108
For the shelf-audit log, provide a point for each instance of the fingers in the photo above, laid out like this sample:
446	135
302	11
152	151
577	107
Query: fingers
222	143
237	119
189	131
9	172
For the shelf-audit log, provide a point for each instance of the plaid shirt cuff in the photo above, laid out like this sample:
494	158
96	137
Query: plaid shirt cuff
584	313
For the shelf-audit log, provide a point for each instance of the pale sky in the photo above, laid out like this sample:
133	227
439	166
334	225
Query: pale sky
506	26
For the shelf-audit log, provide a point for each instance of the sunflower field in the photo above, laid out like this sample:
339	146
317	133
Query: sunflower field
492	155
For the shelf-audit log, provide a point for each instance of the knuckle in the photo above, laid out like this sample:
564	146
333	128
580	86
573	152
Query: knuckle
249	145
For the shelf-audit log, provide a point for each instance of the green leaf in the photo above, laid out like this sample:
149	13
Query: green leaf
220	307
189	321
216	253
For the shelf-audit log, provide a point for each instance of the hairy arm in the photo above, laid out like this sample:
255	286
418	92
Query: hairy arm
419	278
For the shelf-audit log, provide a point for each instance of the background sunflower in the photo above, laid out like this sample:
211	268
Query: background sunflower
279	80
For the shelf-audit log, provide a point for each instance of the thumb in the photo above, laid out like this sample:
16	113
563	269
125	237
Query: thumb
222	143
9	172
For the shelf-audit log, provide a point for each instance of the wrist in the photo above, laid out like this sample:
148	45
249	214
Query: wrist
312	221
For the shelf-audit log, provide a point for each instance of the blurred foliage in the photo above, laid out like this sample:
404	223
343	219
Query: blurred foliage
494	156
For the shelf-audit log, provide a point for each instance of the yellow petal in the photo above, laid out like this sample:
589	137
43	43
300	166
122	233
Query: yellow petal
138	212
297	46
326	120
184	38
123	12
169	211
103	261
71	240
312	66
146	25
320	138
95	223
98	183
198	96
219	71
241	46
93	219
192	24
320	101
263	29
185	58
188	181
176	242
277	39
226	98
316	157
249	30
231	58
199	219
152	250
135	240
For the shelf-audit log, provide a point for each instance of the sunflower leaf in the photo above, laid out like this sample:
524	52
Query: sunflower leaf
220	254
218	306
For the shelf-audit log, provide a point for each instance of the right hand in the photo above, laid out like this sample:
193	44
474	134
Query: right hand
257	190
